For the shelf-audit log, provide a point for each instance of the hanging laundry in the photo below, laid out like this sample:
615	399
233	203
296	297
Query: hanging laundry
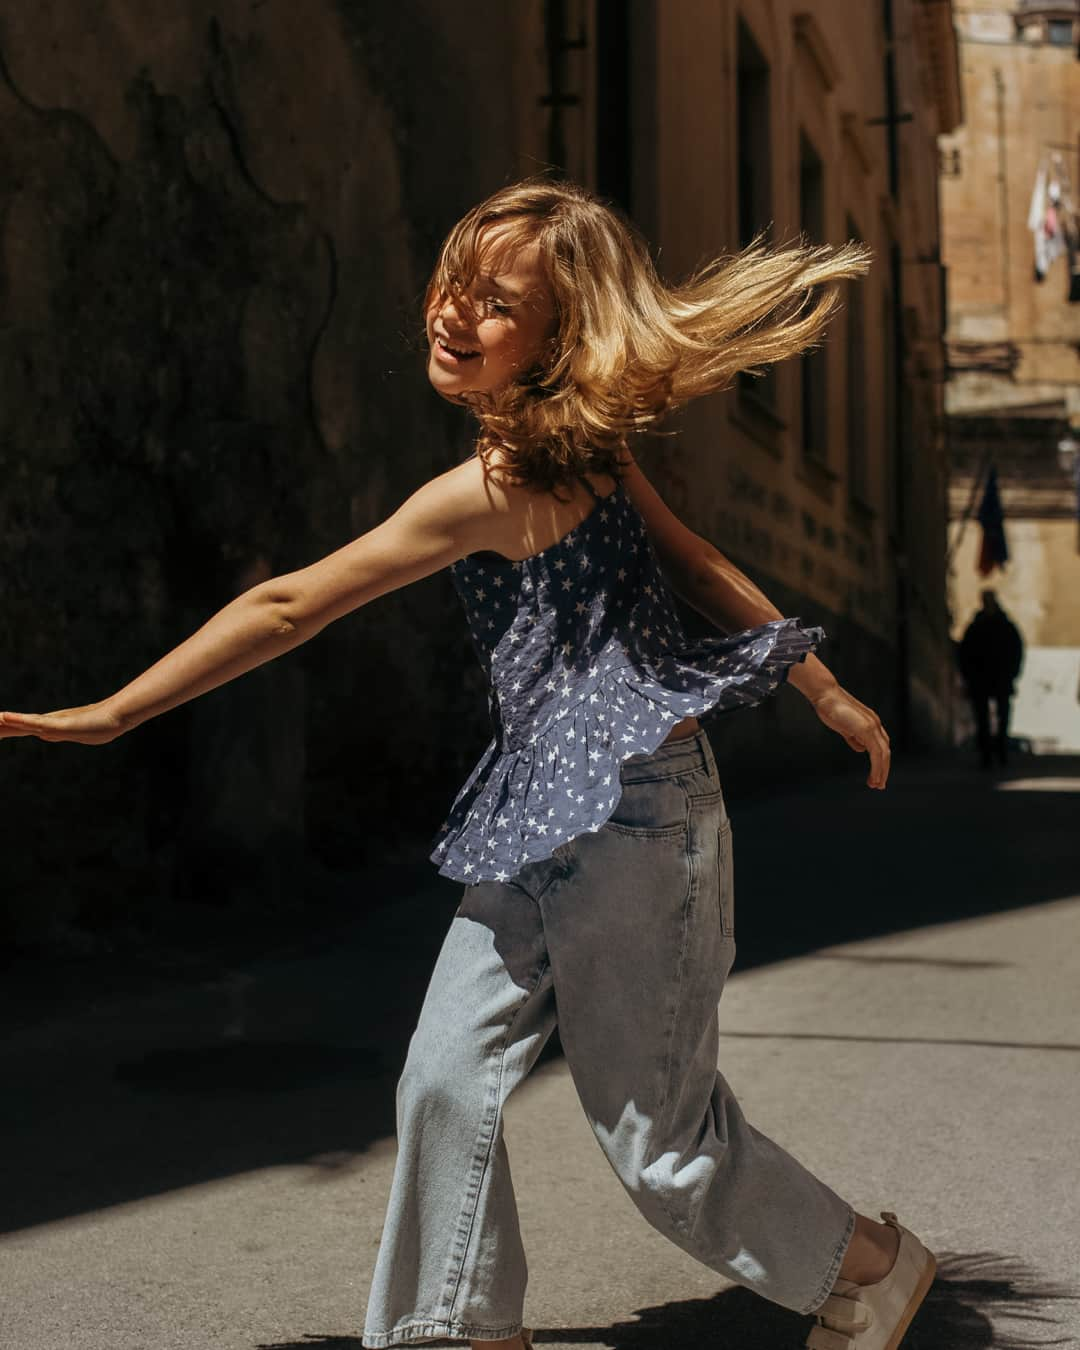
1045	221
1036	219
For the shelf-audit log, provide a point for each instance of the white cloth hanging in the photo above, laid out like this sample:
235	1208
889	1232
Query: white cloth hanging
1045	220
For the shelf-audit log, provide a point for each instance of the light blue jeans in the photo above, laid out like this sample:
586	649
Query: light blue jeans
625	936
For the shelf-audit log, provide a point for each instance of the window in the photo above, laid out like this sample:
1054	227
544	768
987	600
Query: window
754	169
752	114
890	408
949	163
1060	32
855	352
812	223
614	178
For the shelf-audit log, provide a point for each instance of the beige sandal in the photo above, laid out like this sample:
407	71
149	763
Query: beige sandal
876	1316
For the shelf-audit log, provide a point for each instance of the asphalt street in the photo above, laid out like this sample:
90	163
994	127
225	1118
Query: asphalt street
204	1162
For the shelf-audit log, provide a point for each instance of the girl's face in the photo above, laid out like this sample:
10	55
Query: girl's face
501	327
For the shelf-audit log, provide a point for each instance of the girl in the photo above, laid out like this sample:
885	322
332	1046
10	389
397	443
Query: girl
592	836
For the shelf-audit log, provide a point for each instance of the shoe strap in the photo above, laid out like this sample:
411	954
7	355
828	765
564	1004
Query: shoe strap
821	1338
845	1314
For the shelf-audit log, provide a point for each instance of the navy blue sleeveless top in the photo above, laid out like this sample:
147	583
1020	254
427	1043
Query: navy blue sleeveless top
588	664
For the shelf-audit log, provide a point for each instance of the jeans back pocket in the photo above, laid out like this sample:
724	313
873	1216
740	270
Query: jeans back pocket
650	808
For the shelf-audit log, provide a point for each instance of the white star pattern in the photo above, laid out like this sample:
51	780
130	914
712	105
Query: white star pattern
511	811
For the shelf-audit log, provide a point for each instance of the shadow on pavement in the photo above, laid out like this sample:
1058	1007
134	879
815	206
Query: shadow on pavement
899	1040
979	1301
292	1057
943	842
938	962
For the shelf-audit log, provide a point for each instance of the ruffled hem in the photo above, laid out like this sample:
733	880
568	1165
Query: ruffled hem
519	804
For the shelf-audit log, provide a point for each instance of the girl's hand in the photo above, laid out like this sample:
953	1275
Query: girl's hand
95	724
860	726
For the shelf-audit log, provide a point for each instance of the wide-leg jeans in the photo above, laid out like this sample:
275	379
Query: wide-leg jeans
623	937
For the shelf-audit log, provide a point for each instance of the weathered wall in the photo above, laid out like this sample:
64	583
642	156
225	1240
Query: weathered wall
216	222
803	525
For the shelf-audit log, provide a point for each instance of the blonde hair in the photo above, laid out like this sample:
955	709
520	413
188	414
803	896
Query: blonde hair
629	348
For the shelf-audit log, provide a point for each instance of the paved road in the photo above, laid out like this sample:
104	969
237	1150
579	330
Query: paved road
204	1164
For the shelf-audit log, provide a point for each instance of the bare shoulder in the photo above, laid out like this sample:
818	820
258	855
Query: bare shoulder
477	502
453	514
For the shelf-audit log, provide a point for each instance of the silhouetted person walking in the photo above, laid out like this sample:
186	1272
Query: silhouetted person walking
991	654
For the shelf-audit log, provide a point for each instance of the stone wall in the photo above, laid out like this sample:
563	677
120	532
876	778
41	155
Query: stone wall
216	222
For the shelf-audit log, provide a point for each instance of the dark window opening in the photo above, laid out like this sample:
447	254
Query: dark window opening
950	164
613	157
1060	32
857	457
812	222
754	171
890	407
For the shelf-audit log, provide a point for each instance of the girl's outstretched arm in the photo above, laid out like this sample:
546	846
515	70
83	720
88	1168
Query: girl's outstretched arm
450	516
716	588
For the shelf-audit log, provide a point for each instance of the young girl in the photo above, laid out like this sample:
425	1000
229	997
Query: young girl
592	836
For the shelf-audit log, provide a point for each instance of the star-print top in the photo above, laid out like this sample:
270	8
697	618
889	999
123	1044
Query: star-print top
588	664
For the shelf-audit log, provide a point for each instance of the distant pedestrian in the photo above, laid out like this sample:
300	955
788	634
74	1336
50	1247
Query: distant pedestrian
990	656
592	836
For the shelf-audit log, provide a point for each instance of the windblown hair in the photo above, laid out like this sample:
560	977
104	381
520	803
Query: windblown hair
628	348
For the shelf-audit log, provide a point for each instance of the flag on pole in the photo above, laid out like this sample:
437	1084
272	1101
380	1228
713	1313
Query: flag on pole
994	551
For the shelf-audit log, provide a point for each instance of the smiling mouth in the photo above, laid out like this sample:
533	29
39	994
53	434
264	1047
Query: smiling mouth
455	353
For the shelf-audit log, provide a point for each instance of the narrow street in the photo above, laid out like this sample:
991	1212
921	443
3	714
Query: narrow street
206	1164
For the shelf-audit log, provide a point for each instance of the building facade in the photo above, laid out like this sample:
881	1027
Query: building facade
1013	394
825	478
